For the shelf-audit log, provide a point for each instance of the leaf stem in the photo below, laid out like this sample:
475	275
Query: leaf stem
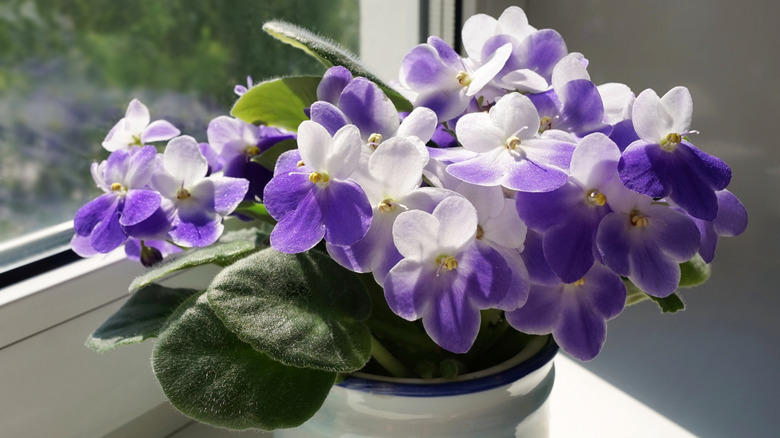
388	361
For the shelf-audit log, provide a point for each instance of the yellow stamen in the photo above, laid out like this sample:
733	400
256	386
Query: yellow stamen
638	220
671	141
300	163
463	78
374	140
251	151
136	141
317	177
580	282
512	142
387	206
480	232
183	194
595	197
116	187
545	123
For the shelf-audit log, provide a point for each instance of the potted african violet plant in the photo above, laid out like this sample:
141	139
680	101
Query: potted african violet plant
440	236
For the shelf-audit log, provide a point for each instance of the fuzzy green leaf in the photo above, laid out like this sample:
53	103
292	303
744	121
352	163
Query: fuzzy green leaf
329	54
140	318
302	310
212	376
278	102
694	272
230	248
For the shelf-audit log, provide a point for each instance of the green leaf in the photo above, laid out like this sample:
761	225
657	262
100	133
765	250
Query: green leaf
694	272
302	310
140	318
329	54
255	210
209	374
230	248
268	158
278	102
670	304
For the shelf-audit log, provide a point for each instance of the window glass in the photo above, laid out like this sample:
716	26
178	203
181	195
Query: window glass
69	68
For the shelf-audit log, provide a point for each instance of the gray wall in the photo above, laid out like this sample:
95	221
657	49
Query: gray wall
713	368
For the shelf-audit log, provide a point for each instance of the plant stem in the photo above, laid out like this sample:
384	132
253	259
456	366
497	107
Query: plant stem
388	361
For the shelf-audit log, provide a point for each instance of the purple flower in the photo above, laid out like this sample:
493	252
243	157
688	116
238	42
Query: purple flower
240	89
732	221
317	199
446	275
575	313
574	104
194	203
134	129
127	208
435	77
236	142
663	164
646	241
511	153
569	216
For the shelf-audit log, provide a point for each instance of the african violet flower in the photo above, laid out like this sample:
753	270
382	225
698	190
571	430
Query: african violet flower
194	202
446	275
128	206
731	221
663	163
317	199
575	313
134	129
510	151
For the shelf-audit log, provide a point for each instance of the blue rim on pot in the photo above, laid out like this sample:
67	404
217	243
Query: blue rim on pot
538	353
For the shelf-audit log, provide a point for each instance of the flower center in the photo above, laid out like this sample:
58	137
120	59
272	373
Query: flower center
580	282
594	197
374	140
512	142
116	187
671	141
545	123
480	232
299	164
317	177
448	262
183	193
463	78
136	141
637	220
387	206
251	151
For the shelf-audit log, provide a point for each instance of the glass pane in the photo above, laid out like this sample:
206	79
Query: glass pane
69	68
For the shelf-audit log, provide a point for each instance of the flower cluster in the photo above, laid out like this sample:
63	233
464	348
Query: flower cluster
515	183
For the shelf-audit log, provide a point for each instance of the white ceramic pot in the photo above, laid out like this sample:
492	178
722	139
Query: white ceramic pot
507	400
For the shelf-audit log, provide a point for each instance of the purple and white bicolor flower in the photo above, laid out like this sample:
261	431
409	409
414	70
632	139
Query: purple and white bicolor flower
664	164
499	227
446	275
534	52
128	206
317	199
569	216
236	142
618	101
646	241
134	129
510	151
392	186
575	313
434	76
574	103
194	203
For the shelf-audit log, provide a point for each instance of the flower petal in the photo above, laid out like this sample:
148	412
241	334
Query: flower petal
345	211
183	160
139	205
159	130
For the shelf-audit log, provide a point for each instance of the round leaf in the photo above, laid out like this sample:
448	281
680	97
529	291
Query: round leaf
209	374
302	309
